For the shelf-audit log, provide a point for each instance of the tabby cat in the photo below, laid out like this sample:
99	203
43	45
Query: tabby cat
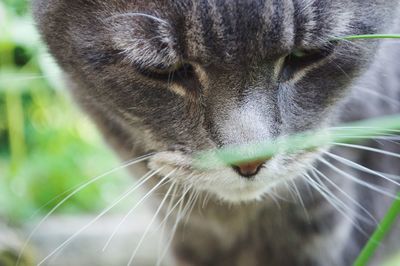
168	79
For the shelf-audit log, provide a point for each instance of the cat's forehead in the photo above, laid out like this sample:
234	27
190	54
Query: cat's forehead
230	30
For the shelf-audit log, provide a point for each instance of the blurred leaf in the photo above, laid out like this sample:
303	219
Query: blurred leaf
57	147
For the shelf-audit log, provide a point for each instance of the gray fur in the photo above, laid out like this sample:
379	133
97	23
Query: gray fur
236	95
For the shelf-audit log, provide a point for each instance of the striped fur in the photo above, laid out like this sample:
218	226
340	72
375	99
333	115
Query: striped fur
240	88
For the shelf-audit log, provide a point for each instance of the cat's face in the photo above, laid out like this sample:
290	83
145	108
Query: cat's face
183	76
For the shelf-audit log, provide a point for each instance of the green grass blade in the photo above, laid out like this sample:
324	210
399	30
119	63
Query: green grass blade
347	133
371	36
380	233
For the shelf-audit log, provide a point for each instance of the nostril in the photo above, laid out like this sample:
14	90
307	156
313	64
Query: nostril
248	169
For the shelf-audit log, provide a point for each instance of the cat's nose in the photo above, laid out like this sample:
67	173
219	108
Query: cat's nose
248	169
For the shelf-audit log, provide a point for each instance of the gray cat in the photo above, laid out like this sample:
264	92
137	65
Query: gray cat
173	78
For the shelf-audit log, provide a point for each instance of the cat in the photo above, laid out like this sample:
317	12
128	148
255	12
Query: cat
169	79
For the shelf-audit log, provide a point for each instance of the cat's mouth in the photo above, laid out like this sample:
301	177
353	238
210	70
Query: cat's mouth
225	183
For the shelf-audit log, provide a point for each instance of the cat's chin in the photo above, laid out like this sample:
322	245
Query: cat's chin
245	194
241	196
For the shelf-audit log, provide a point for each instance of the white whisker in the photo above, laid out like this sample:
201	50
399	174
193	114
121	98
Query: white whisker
290	190
388	153
170	205
125	195
133	209
316	171
360	167
174	228
193	203
154	217
358	181
334	201
205	199
379	95
135	14
173	208
74	192
365	127
339	201
298	195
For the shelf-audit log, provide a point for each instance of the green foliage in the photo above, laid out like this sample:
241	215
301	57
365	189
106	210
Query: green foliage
18	7
46	145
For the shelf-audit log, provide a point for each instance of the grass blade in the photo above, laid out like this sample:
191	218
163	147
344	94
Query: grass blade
347	133
379	235
371	36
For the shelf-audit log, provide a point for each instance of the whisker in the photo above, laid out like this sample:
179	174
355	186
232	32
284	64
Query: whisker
360	147
381	96
341	203
381	136
334	201
393	177
358	181
340	69
298	195
134	208
154	217
274	198
274	192
76	190
136	14
290	190
173	208
125	195
350	43
364	127
391	138
345	194
170	204
188	203
205	199
193	203
174	228
360	167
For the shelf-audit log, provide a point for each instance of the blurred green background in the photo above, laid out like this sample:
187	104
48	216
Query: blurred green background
47	145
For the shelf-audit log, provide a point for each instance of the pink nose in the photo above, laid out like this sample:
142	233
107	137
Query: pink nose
249	169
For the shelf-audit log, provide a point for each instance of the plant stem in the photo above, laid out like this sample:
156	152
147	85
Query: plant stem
371	36
15	119
380	233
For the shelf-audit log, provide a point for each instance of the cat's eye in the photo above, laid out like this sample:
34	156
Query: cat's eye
300	58
299	53
183	75
176	73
